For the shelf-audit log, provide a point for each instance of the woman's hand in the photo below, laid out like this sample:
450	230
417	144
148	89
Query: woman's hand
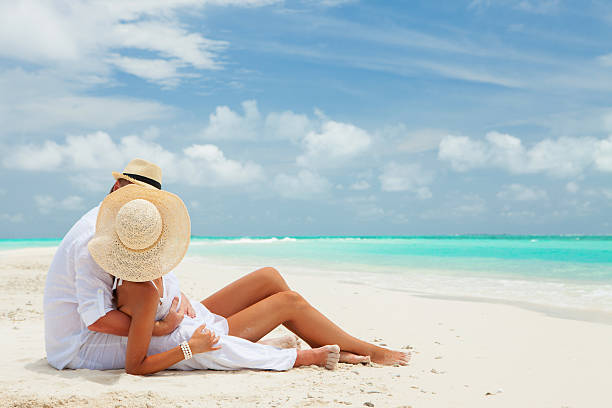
203	340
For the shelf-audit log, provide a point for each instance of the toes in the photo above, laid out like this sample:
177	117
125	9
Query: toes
333	356
404	359
334	348
298	342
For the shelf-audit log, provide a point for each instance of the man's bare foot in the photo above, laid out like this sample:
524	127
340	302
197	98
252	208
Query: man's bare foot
350	358
390	357
326	356
285	342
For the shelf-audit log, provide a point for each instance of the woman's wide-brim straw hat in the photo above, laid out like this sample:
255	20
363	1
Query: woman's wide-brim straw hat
141	233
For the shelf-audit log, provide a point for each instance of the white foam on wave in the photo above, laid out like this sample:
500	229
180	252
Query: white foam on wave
226	241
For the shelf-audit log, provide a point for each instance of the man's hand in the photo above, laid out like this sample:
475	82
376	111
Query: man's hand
171	321
189	310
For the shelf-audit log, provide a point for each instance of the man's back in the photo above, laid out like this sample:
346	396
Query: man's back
77	293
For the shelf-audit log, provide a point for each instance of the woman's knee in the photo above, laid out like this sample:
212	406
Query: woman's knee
273	277
292	299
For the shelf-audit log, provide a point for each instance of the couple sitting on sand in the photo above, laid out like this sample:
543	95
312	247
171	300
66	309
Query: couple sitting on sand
111	300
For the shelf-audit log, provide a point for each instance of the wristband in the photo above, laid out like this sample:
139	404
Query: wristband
186	350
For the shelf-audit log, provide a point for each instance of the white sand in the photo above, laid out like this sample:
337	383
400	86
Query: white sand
461	352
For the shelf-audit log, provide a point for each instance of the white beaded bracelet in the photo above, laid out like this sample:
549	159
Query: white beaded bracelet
186	350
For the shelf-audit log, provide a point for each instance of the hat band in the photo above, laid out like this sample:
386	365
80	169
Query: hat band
144	179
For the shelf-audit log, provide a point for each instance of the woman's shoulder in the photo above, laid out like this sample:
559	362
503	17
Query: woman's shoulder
141	293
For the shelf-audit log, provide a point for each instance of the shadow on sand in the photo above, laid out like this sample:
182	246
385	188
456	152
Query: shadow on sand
110	377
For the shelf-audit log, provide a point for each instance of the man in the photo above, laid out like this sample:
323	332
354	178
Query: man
78	299
82	327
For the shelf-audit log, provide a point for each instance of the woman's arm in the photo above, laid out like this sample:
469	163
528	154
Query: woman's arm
140	300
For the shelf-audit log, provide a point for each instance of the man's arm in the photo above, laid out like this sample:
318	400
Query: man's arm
95	299
113	322
118	323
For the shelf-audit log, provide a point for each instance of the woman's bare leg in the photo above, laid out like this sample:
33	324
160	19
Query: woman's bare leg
245	292
295	313
350	358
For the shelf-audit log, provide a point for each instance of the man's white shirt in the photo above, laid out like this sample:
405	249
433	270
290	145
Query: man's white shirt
77	293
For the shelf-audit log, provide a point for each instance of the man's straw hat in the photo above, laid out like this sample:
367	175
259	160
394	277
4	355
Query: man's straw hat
141	172
141	233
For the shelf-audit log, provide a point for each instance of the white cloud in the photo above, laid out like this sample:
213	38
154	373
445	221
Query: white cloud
169	39
572	187
529	6
603	154
469	73
326	143
406	177
89	111
207	165
41	101
370	212
472	206
518	214
81	35
562	157
287	125
304	185
46	203
414	141
224	123
605	60
366	207
360	185
333	3
462	152
204	165
12	218
164	72
335	144
538	6
599	192
607	193
518	192
457	207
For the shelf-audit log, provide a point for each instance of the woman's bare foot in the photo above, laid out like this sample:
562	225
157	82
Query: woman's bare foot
350	358
326	356
390	357
285	342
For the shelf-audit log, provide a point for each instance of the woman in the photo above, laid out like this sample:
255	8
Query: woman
141	234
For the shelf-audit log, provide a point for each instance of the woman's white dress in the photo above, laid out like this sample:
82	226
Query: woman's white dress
102	351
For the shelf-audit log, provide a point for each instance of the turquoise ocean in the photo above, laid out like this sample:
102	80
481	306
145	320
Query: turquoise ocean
566	275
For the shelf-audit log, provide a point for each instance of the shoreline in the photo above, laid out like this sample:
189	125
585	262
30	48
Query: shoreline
340	275
555	311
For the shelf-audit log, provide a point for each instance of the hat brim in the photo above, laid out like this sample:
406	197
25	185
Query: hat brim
150	263
118	176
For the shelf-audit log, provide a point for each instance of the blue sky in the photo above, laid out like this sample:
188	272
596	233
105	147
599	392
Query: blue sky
311	117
